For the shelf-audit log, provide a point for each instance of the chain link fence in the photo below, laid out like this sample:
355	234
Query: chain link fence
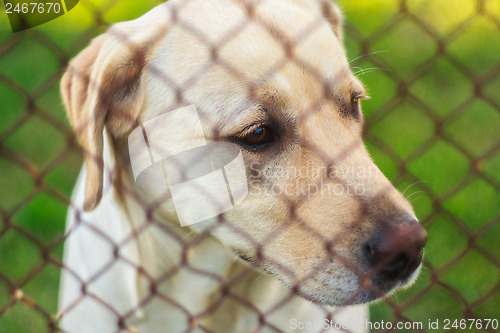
432	126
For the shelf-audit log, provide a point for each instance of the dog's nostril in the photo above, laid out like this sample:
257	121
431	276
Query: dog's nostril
396	251
398	269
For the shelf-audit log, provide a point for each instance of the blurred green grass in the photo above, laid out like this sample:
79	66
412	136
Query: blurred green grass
430	138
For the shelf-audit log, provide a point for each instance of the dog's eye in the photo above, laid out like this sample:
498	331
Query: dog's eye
355	101
257	136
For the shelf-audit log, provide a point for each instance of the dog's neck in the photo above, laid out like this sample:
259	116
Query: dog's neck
197	273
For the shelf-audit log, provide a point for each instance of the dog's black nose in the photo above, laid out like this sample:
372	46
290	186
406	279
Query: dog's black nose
396	251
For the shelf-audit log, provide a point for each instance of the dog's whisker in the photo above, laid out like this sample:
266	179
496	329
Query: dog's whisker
367	54
414	183
363	71
415	199
416	192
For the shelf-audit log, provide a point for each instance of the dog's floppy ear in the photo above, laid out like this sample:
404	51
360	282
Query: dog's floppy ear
102	88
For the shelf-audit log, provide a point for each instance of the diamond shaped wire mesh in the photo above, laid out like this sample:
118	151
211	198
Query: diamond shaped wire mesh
432	71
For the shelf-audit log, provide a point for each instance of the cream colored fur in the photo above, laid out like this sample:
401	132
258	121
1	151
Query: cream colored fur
211	51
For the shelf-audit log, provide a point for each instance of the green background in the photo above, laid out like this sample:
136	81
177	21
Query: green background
432	68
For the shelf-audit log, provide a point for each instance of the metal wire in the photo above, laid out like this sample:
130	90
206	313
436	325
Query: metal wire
49	250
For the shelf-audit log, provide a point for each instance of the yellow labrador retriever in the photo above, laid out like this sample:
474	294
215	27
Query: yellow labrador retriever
320	228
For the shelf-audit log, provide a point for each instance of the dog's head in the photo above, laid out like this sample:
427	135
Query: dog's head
270	77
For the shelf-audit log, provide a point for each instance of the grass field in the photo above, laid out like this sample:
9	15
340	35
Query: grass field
433	127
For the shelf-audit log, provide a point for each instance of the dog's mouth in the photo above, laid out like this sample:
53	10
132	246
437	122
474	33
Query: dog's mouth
362	292
381	286
373	286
